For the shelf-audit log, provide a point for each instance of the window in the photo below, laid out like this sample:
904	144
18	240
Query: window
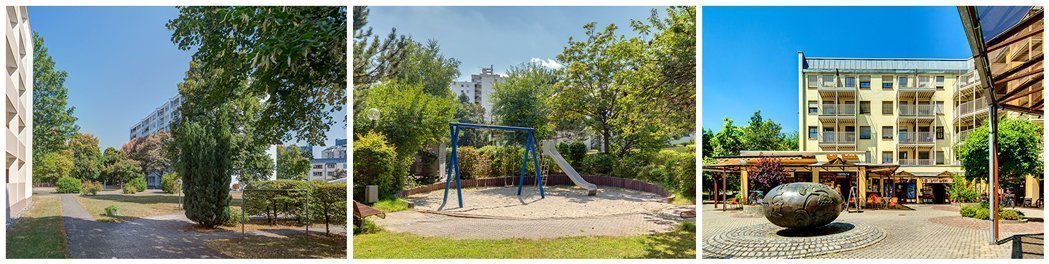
865	132
865	107
904	82
886	81
886	132
939	107
813	107
903	155
813	132
865	81
939	158
939	132
812	81
886	107
850	82
886	157
939	82
923	81
828	80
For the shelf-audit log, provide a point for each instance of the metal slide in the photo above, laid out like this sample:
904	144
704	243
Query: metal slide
550	150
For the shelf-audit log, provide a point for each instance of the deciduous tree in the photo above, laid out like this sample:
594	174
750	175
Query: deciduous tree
52	166
87	158
53	120
520	99
1019	151
292	163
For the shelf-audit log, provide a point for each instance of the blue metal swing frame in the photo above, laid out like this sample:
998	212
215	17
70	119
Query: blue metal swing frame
453	163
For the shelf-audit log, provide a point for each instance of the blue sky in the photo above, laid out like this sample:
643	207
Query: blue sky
499	36
750	54
121	62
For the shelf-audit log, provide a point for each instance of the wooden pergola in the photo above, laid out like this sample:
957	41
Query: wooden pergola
1006	47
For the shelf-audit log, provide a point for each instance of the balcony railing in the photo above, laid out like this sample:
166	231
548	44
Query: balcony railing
916	137
926	162
962	136
972	106
918	110
839	109
838	138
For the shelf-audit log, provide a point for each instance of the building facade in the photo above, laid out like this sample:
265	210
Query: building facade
479	89
159	120
18	126
332	163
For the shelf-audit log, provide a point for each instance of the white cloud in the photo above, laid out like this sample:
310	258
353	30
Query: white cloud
549	63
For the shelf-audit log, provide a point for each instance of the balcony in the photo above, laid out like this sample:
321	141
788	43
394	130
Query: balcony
918	110
919	162
972	107
962	136
838	109
916	138
833	138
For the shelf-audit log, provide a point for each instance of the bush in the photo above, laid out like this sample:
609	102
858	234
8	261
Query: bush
111	211
969	210
366	227
276	204
1009	214
597	164
574	152
685	173
961	191
169	182
472	164
374	163
983	214
234	217
203	157
139	183
129	189
503	160
91	187
68	185
328	204
630	165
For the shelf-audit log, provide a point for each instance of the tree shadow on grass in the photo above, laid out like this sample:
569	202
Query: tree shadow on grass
678	244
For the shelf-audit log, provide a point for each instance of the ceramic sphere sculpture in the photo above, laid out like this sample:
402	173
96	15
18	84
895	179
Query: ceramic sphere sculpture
802	205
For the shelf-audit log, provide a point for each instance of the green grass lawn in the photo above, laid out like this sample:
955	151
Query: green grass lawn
293	247
391	204
40	233
680	243
130	205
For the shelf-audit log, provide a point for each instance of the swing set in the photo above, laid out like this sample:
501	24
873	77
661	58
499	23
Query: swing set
453	163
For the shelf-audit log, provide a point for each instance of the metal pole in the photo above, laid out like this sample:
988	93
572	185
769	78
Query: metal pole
993	167
448	167
243	197
458	182
307	214
535	163
724	189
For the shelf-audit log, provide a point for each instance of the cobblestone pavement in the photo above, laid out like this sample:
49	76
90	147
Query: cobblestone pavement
429	224
909	234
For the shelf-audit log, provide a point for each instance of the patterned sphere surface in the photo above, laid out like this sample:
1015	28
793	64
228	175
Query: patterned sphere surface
802	205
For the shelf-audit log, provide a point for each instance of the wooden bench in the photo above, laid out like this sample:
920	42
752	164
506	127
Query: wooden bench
361	211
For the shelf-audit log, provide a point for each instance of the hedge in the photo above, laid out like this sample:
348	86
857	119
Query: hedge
139	183
91	187
597	164
327	201
68	184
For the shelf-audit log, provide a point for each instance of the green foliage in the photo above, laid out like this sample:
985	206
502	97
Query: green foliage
68	184
203	158
139	183
117	167
962	191
982	214
235	217
473	164
471	113
281	200
409	118
374	163
573	152
425	65
52	166
374	59
673	169
1019	151
969	210
764	134
328	204
91	188
149	152
86	156
597	164
503	160
53	121
728	141
520	99
294	56
629	166
129	188
391	204
169	182
112	211
1009	214
292	163
366	227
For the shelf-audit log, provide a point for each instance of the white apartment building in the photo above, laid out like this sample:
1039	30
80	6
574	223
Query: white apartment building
479	89
159	120
331	165
18	125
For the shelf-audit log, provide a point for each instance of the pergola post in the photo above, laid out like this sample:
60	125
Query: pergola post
724	186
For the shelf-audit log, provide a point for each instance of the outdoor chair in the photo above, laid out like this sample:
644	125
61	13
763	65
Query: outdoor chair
876	202
733	203
893	202
1027	203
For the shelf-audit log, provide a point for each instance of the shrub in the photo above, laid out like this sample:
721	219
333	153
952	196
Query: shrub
275	204
235	217
91	187
68	185
111	211
983	214
203	157
169	182
328	204
129	189
374	163
472	164
685	173
139	183
961	191
631	165
969	210
366	227
597	164
503	160
574	152
1009	214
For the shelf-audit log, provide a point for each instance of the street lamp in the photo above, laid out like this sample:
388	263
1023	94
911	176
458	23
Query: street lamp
373	115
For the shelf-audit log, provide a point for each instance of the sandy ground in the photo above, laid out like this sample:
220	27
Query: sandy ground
560	202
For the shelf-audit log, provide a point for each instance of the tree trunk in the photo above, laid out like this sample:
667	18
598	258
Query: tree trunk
606	134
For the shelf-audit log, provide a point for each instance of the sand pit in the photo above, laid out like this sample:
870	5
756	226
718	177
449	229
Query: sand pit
560	202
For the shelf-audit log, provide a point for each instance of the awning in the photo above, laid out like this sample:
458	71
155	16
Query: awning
1006	44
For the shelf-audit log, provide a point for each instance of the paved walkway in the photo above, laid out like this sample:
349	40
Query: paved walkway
929	231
